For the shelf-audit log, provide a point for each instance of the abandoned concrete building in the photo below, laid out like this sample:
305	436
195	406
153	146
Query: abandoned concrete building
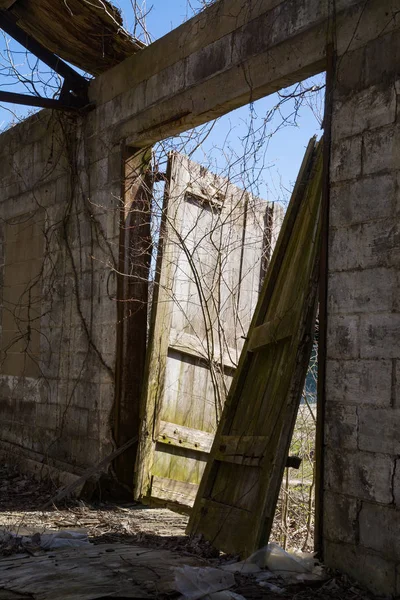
75	188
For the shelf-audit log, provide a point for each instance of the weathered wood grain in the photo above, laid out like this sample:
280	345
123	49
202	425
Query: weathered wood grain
87	572
90	35
271	332
241	449
208	281
249	453
175	491
184	437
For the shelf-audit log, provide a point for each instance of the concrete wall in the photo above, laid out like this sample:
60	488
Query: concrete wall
233	53
58	239
362	474
238	51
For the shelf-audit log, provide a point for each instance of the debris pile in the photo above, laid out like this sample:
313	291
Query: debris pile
20	491
135	552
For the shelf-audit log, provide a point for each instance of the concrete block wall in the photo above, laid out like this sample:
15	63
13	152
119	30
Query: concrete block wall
63	415
362	435
57	357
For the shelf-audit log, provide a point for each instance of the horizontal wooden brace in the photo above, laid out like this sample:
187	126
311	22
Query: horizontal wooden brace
184	437
272	332
248	450
193	346
214	506
180	492
244	450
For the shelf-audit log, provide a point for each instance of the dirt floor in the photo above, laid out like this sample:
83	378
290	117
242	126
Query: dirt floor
22	499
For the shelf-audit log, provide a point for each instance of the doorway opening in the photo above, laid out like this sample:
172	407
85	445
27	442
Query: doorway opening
218	199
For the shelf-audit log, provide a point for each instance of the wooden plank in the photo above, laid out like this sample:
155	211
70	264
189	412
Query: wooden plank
88	572
192	345
267	385
185	437
172	490
243	449
71	31
216	514
272	332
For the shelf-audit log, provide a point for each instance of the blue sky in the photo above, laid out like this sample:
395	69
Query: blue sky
276	160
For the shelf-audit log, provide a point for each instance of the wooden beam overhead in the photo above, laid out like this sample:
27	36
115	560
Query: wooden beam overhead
89	35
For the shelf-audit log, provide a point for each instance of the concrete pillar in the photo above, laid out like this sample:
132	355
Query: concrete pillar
362	434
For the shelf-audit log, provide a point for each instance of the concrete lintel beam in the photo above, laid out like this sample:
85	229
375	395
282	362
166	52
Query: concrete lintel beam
227	57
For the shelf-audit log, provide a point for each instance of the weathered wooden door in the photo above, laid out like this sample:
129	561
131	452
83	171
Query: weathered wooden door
235	505
215	241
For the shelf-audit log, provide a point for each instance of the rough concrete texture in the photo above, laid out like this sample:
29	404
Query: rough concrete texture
361	522
234	52
58	322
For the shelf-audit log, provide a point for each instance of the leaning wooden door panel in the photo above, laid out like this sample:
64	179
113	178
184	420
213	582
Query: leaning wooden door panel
207	287
236	501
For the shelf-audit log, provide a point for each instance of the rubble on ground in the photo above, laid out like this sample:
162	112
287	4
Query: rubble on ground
113	535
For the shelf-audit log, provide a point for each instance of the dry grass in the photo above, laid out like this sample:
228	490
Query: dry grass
294	518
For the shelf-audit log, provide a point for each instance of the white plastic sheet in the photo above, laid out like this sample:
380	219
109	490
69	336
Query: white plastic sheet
291	566
63	539
195	583
51	541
